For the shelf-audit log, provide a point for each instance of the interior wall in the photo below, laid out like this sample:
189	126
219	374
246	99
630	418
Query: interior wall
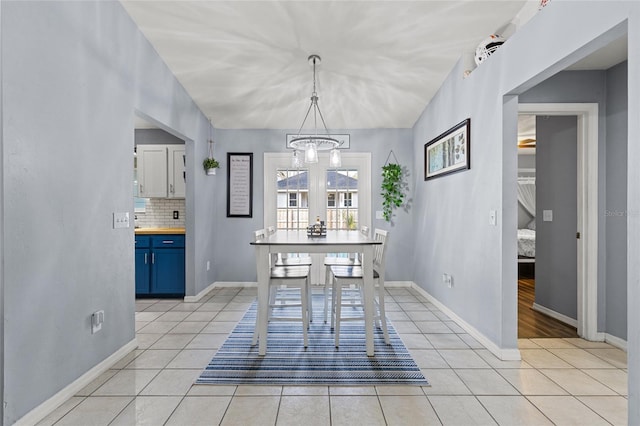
155	137
557	190
525	161
616	213
233	262
453	211
73	74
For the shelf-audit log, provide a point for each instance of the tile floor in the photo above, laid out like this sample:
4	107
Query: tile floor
558	381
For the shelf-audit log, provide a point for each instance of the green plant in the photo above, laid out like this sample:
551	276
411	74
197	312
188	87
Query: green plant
392	190
210	163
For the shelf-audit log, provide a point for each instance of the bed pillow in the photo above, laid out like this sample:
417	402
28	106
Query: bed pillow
532	225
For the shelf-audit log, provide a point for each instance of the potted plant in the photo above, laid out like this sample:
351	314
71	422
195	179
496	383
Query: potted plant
210	165
392	190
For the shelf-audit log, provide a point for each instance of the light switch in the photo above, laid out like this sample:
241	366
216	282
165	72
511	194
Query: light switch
493	217
547	215
121	220
379	214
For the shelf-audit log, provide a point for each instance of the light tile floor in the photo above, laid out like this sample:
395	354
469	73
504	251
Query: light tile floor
558	381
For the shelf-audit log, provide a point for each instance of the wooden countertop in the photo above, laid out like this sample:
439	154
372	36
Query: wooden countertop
157	231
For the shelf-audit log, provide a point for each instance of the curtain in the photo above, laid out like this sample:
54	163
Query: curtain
527	195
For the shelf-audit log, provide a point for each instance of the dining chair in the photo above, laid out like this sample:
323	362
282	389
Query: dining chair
282	280
345	276
294	259
338	259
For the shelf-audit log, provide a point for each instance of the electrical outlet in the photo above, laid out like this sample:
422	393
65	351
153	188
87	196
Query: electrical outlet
447	280
97	318
176	214
379	214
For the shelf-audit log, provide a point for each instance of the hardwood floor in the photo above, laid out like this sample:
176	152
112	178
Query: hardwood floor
535	324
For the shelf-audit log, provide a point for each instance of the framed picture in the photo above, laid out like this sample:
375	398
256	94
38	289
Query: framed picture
239	184
344	139
449	152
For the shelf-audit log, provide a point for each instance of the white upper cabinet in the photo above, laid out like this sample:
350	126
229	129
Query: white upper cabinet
161	171
177	171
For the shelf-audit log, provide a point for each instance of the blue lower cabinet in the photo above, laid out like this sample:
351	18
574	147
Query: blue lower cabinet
168	271
143	267
160	265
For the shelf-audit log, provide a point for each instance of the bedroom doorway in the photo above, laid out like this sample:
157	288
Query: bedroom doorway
542	307
583	314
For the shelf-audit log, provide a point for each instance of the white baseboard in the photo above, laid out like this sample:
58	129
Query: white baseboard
47	407
234	284
503	354
616	341
197	297
556	315
396	284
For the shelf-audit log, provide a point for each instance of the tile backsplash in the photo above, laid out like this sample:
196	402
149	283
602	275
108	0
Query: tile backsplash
159	214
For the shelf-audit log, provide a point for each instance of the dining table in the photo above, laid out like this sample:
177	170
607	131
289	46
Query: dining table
297	241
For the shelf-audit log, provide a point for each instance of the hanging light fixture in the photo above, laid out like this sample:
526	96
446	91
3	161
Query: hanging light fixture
296	160
315	142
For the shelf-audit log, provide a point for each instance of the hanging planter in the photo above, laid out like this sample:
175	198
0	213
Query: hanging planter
210	164
392	188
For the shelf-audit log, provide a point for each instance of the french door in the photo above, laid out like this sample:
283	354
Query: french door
296	197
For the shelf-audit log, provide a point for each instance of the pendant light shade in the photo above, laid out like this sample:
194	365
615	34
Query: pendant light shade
311	153
296	160
335	159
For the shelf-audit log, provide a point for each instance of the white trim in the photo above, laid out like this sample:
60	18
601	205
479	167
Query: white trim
398	284
556	315
235	284
615	341
197	297
503	354
587	113
47	407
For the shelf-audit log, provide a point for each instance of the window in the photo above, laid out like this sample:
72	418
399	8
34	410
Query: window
293	199
331	200
347	199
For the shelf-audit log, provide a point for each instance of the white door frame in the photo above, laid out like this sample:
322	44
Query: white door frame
587	114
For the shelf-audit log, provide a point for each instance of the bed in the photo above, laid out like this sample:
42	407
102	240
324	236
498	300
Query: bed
526	244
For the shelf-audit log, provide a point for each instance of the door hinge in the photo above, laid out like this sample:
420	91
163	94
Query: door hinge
577	235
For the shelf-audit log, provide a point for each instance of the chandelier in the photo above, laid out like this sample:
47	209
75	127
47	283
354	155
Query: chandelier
315	142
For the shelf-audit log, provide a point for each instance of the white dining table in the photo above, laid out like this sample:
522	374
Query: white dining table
293	241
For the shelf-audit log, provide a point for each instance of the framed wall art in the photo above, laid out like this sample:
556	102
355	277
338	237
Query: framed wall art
449	152
239	184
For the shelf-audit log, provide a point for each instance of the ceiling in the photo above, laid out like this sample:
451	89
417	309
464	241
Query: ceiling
245	63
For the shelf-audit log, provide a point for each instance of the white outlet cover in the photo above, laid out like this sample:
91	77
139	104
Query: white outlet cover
379	214
120	220
547	215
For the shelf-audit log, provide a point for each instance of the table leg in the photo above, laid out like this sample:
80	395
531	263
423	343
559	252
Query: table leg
369	290
262	265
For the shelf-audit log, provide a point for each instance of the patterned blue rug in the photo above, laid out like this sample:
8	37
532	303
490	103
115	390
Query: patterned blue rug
288	362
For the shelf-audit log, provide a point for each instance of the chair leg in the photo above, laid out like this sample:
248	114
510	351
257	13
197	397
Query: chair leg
304	310
327	282
337	309
309	297
381	310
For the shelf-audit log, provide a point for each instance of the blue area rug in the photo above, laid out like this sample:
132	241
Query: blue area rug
288	362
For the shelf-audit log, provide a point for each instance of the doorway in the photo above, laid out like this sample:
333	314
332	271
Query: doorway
586	217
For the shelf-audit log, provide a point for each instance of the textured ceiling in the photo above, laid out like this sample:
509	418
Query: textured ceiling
245	63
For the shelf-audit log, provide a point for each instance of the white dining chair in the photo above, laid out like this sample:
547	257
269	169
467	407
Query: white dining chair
338	259
294	259
345	276
282	280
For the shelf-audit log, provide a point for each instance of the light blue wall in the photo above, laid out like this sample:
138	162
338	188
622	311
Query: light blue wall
72	75
615	214
452	224
233	262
